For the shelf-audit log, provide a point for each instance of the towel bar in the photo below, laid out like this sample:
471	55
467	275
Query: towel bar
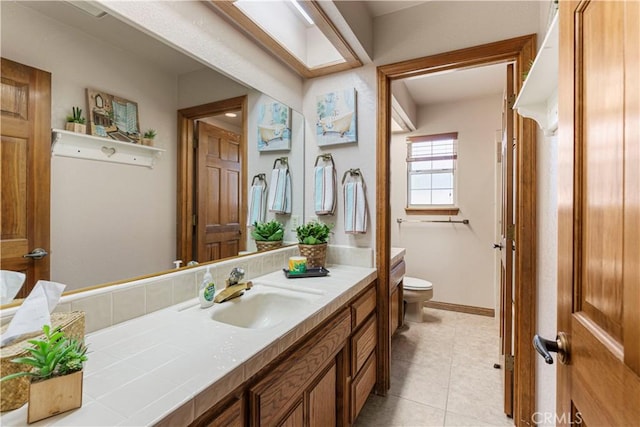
447	221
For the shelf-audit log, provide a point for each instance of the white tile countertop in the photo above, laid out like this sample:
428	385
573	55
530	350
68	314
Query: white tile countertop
178	358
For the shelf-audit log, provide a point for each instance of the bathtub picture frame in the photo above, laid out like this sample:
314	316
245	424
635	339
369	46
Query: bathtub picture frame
274	127
336	117
113	117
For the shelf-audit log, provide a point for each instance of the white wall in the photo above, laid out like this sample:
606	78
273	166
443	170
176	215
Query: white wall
457	259
346	156
108	221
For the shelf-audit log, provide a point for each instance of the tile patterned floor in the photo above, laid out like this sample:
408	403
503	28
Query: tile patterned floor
442	375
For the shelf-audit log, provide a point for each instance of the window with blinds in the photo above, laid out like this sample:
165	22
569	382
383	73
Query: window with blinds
431	170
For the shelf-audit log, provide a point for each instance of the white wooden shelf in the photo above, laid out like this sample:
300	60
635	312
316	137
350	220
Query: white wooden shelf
83	146
538	98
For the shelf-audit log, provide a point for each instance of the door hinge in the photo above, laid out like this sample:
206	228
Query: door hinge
508	362
511	232
194	220
511	100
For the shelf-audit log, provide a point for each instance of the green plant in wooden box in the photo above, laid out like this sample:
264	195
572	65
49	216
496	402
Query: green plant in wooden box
268	235
75	121
56	374
148	137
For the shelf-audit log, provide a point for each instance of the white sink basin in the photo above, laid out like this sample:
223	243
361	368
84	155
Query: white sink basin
264	307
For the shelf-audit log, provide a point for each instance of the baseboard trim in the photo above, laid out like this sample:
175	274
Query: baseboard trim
489	312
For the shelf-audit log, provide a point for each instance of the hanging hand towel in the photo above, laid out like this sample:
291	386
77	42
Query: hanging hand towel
325	187
280	194
355	206
257	200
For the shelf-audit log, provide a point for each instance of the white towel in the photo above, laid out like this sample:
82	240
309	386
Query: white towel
355	208
280	193
257	203
325	190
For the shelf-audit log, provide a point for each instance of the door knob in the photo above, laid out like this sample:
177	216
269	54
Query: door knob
546	347
498	246
37	253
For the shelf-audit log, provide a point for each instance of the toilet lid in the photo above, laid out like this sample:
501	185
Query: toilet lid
415	284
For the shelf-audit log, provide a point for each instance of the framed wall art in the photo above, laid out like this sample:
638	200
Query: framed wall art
113	117
274	127
336	117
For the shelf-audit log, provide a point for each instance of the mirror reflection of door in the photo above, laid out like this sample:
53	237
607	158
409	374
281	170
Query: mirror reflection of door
25	174
219	201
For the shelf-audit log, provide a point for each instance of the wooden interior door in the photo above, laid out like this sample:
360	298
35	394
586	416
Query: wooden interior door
599	213
219	194
26	164
506	242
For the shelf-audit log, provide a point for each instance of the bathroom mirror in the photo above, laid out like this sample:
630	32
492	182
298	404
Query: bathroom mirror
110	222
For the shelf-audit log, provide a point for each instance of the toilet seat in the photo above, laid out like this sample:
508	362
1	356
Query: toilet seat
415	284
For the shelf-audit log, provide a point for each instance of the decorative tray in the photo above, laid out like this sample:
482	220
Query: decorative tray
311	272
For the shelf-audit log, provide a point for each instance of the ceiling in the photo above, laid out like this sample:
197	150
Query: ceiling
385	7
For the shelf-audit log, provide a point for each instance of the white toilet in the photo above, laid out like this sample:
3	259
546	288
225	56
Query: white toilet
416	293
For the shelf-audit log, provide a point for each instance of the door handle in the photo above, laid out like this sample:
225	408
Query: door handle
37	253
546	347
498	246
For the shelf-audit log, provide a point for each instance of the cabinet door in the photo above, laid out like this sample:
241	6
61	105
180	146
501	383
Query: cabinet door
295	418
322	400
394	319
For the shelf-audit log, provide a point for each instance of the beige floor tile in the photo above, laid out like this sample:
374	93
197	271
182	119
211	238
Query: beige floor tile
421	383
451	419
391	411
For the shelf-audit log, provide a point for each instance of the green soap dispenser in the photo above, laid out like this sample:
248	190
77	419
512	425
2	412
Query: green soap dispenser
207	290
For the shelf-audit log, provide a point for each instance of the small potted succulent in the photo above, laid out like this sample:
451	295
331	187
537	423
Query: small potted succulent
148	136
268	235
56	374
75	121
312	242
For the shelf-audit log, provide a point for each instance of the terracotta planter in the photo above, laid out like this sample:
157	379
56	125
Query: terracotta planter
54	396
76	127
316	254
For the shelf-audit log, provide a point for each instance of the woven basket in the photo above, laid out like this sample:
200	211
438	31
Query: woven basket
316	254
15	393
267	245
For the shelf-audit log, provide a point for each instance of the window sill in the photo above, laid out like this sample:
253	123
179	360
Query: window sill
432	211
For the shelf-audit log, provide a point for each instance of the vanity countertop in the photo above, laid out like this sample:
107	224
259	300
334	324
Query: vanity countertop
179	361
396	255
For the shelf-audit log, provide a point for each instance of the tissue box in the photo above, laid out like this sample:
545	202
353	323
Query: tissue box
15	393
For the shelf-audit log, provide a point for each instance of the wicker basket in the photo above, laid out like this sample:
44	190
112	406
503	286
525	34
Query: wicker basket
15	393
267	245
316	254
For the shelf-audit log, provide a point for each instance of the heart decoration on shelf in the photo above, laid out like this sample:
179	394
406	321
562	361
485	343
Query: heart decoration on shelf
108	151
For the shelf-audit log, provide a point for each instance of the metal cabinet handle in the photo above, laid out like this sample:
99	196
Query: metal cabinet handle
546	347
37	253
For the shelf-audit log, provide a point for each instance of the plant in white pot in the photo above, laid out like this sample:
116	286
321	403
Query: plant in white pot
268	235
148	137
56	374
312	242
75	121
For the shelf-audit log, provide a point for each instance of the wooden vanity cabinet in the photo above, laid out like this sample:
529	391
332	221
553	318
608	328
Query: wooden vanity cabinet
395	295
323	381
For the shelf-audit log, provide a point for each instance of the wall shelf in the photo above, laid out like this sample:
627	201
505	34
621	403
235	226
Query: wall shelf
83	146
538	98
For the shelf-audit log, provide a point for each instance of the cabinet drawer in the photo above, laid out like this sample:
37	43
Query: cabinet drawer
362	386
363	343
363	306
396	275
277	393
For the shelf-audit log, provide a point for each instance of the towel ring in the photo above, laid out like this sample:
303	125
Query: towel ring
326	158
284	161
259	177
353	173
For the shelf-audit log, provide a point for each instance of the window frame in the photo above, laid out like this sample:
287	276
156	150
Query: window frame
433	209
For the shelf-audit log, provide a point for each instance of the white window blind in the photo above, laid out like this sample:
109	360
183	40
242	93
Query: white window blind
431	170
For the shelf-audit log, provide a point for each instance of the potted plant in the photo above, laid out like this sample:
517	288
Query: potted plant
75	121
312	242
268	235
148	136
56	374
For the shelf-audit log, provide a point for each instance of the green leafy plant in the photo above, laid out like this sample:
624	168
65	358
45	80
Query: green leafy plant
76	116
53	356
150	134
313	233
271	231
